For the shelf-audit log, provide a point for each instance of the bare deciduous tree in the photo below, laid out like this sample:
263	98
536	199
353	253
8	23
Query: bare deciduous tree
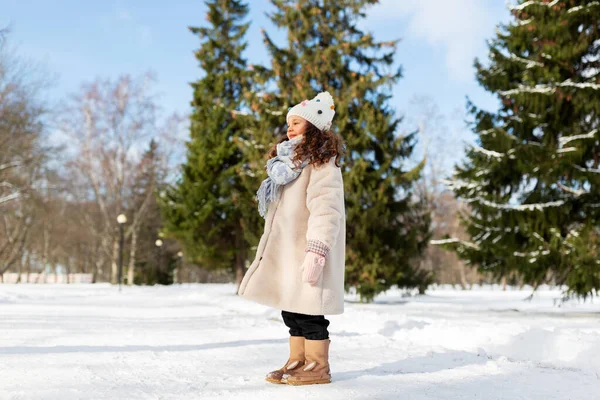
21	153
108	123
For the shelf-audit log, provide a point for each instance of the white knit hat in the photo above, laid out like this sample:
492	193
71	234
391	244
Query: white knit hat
318	111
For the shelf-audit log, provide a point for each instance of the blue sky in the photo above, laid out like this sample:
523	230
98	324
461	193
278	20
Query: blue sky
79	41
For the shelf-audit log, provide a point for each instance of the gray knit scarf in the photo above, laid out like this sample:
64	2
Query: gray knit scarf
281	171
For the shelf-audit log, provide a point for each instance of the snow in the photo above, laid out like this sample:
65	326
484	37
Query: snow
549	89
544	89
566	150
518	207
566	139
592	170
203	342
524	22
529	3
539	237
529	63
576	192
487	131
579	8
489	153
581	85
276	113
459	184
454	240
551	4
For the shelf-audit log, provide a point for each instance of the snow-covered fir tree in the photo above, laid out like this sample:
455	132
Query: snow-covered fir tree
533	178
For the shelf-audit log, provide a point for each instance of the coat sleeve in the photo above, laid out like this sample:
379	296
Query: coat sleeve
324	200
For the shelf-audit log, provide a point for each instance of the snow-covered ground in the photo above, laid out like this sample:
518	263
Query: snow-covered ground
204	342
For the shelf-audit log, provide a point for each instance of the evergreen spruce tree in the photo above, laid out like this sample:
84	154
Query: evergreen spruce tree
209	210
387	230
533	179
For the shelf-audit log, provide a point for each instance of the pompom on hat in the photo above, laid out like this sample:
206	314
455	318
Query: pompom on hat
319	111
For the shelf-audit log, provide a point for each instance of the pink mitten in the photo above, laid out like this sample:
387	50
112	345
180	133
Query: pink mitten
312	267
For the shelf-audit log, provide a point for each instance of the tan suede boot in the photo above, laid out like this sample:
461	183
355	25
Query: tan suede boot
316	369
296	360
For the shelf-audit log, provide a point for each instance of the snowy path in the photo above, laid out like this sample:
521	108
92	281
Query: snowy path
203	342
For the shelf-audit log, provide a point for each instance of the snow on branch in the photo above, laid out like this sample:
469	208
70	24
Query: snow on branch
515	118
576	192
490	228
525	22
592	170
548	89
520	207
455	240
233	112
490	153
566	149
529	3
535	253
487	131
459	184
487	228
481	237
499	129
582	85
249	143
539	237
566	139
543	89
528	63
579	8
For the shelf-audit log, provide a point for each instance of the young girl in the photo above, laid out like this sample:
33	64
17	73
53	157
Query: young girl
299	263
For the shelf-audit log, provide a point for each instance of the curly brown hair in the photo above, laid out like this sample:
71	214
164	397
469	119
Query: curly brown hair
317	146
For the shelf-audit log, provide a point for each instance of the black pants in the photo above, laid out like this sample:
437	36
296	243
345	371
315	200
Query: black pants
312	327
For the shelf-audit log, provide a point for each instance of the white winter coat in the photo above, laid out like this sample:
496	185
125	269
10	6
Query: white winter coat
310	207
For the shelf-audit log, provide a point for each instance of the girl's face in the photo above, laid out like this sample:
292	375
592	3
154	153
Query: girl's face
296	126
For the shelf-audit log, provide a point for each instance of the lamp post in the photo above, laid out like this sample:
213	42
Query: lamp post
179	266
121	219
158	244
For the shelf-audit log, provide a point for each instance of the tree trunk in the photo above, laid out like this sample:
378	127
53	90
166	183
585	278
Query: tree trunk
100	259
20	270
68	268
45	251
131	268
463	277
113	262
27	266
240	257
95	265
